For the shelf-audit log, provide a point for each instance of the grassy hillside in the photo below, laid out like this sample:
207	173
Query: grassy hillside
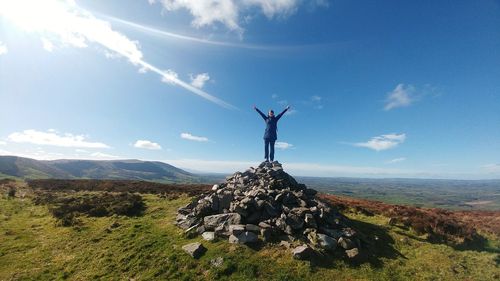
27	168
148	247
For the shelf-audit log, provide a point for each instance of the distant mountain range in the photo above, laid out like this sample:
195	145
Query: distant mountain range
27	168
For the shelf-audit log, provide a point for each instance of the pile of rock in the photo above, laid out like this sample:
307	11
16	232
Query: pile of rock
267	204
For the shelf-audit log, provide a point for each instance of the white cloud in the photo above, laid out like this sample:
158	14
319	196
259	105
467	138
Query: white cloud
100	155
3	48
47	45
401	96
274	96
283	145
230	12
73	26
147	145
396	160
199	80
169	76
53	139
2	143
383	142
316	98
188	136
492	168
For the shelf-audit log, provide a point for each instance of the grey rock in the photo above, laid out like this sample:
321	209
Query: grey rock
326	242
346	243
352	253
211	222
236	229
208	235
252	228
310	221
244	238
195	250
302	252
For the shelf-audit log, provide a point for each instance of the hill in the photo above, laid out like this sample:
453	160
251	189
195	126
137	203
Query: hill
26	168
81	230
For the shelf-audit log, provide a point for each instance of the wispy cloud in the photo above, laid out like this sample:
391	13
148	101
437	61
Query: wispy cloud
274	96
3	48
2	143
283	145
383	142
491	168
54	139
188	136
396	160
78	28
146	144
199	80
316	98
228	12
401	96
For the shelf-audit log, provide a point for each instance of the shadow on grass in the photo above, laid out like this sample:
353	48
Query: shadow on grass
376	245
478	244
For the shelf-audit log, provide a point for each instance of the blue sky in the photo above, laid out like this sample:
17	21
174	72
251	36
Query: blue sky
377	88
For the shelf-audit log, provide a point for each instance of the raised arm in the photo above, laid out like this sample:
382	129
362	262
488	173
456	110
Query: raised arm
283	112
260	112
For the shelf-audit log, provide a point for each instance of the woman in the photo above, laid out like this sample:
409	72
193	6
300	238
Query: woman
270	135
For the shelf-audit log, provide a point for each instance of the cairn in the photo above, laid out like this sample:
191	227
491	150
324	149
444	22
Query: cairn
267	204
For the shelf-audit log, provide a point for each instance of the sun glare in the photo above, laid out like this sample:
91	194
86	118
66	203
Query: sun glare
36	15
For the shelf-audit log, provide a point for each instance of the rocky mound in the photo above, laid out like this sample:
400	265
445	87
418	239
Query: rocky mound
267	204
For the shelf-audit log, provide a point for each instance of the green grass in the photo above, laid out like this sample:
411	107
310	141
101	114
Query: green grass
148	247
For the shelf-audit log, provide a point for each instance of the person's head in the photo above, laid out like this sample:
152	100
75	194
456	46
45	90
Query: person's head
271	113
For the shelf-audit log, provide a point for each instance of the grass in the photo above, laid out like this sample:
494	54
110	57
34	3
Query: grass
148	247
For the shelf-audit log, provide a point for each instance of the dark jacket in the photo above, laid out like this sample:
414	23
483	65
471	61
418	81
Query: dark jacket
271	125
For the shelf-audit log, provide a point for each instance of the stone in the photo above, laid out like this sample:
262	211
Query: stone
236	229
294	221
244	238
195	250
208	235
302	252
285	244
211	222
187	222
217	262
310	221
326	242
352	252
253	228
215	187
225	201
346	243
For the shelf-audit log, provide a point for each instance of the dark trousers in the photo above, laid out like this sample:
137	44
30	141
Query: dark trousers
269	143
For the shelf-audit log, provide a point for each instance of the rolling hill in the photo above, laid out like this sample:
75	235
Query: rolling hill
26	168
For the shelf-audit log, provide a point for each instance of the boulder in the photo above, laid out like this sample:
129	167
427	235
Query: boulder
243	238
195	250
326	242
211	222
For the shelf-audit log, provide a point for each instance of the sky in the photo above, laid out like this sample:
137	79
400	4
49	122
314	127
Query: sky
376	88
